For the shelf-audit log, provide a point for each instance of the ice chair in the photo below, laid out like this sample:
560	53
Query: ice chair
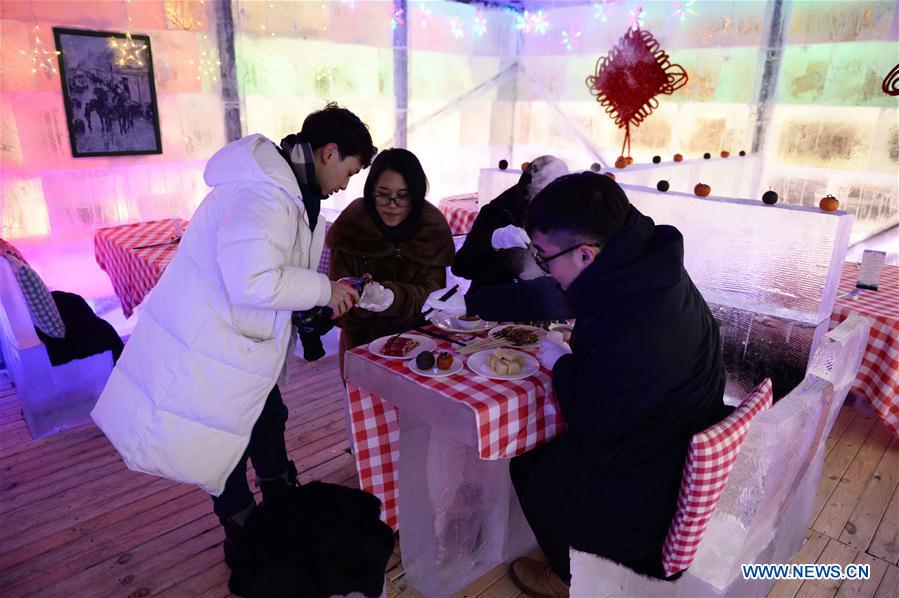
53	398
764	511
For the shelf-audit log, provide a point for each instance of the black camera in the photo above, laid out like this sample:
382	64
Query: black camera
312	324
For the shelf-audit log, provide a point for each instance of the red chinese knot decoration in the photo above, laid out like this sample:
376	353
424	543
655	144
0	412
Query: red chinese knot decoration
628	80
890	84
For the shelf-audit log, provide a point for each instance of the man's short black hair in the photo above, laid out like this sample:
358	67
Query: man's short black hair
333	124
582	207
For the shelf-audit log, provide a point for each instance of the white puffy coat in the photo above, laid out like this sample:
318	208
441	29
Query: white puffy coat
215	332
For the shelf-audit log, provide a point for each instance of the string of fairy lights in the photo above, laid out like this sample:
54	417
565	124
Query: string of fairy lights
131	53
527	22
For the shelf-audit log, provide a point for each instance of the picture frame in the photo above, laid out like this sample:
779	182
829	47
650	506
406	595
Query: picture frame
109	92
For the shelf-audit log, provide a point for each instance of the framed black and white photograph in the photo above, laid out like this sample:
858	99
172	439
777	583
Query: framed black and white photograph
110	96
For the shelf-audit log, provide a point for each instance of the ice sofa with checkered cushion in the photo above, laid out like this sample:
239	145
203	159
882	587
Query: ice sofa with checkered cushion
763	513
41	306
711	456
52	397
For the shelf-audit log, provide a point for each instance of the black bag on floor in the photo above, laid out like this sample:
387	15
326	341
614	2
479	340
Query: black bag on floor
316	540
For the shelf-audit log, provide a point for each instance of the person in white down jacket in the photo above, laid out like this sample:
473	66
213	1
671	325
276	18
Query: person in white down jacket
195	392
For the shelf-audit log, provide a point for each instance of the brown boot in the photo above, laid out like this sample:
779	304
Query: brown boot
537	579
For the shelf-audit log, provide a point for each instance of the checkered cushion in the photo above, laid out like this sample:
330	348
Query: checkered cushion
40	302
712	455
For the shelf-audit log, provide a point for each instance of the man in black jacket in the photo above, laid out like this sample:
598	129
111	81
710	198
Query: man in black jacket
506	283
643	374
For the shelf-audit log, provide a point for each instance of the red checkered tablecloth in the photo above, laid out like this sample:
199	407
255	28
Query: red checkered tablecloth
134	269
512	417
460	211
878	376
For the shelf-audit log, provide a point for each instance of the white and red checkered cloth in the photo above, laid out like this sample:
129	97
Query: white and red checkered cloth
512	417
878	376
460	211
134	268
710	459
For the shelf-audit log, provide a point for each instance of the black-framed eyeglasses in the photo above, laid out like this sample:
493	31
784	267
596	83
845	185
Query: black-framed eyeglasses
384	200
543	262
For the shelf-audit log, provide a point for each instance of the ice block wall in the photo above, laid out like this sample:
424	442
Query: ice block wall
768	273
48	194
51	201
294	56
716	42
831	128
736	176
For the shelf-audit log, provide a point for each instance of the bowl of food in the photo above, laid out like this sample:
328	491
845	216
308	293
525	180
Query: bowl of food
468	322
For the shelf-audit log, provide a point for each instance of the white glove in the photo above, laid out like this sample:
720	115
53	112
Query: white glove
375	297
454	306
510	236
552	348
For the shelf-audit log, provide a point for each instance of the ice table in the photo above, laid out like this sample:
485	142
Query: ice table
135	256
460	212
134	268
435	451
878	376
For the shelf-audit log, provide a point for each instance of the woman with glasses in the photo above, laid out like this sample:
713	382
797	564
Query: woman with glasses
392	233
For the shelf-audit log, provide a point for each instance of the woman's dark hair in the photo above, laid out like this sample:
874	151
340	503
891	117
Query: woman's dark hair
405	163
581	207
334	124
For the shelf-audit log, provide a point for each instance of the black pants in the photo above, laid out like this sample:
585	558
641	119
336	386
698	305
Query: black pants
550	486
268	452
86	334
554	543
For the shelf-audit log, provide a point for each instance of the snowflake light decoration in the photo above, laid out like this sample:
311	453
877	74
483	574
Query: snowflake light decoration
627	81
42	59
603	9
532	22
424	14
397	19
682	8
456	28
571	39
128	51
479	28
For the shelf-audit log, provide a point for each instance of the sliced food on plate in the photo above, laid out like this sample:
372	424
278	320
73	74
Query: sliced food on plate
399	346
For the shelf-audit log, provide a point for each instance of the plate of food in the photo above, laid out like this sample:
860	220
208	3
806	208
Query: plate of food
451	323
503	364
403	346
436	364
519	335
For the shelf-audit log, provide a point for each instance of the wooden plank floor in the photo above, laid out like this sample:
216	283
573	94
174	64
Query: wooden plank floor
76	521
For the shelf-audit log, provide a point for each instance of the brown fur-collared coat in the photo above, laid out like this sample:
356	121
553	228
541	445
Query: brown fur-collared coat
412	269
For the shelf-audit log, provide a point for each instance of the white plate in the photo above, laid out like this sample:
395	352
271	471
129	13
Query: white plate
541	334
477	363
435	372
424	344
447	322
